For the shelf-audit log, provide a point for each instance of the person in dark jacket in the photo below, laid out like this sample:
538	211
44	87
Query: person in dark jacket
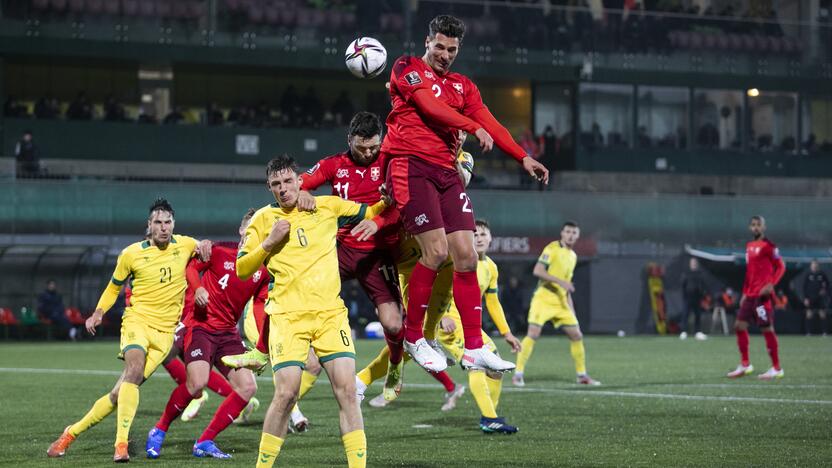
51	307
693	290
815	296
27	156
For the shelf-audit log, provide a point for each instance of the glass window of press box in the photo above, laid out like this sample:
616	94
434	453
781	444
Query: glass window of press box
662	117
772	121
717	119
606	115
817	125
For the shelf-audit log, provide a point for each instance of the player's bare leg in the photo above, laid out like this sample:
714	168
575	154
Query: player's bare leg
390	316
286	387
532	335
341	372
745	367
297	421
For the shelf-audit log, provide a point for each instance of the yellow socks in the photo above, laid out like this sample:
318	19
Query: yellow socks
525	353
376	369
128	403
576	348
355	446
100	410
479	388
269	449
307	381
495	388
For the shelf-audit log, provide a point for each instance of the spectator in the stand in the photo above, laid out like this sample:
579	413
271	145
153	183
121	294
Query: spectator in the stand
312	108
642	138
342	109
780	300
238	116
46	107
12	108
80	108
290	108
261	115
27	156
534	148
113	110
693	290
728	300
597	137
174	117
146	115
708	136
51	308
815	296
213	115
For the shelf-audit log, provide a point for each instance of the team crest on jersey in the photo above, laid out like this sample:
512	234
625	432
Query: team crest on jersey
228	266
458	87
256	276
176	253
413	78
342	173
375	173
314	168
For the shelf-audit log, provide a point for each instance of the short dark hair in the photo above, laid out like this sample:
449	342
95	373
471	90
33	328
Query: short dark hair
365	125
249	214
281	163
569	224
160	204
482	223
447	25
27	132
758	218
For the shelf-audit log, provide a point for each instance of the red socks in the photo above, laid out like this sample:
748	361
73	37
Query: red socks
469	303
420	286
176	369
771	346
228	411
178	401
742	344
445	380
395	343
263	329
218	384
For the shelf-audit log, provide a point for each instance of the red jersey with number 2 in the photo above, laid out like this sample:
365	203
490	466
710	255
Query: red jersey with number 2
408	134
227	294
356	183
763	266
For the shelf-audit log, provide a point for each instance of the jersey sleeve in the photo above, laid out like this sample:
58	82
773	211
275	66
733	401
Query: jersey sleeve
188	242
473	99
545	257
251	255
195	267
318	174
120	274
349	212
408	78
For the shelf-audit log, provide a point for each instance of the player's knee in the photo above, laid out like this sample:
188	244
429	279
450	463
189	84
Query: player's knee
285	398
576	335
196	386
393	327
313	366
247	389
345	393
134	374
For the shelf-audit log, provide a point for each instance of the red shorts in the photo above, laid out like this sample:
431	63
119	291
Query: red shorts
757	310
375	271
178	341
211	346
429	196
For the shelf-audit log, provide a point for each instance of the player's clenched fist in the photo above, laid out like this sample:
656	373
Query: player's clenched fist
277	235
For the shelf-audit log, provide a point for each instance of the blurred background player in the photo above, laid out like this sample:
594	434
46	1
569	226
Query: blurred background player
552	301
430	106
157	266
305	309
219	298
485	385
815	297
764	269
693	290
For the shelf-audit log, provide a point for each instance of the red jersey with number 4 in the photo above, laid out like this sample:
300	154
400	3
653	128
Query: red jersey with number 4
763	266
356	183
408	134
227	294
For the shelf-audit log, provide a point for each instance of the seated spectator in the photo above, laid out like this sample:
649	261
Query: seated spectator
290	107
261	116
51	308
174	117
781	301
46	107
27	156
342	109
80	108
213	115
146	116
728	300
12	108
113	110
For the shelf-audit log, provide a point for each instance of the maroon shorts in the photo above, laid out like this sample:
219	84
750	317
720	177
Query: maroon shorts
375	271
429	196
757	310
178	341
211	346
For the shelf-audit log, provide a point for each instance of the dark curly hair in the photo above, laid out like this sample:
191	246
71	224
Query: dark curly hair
447	25
160	204
281	163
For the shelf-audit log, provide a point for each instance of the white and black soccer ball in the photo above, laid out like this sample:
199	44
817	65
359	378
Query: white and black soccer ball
365	57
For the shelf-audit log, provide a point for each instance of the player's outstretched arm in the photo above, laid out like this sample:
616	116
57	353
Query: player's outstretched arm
110	293
504	141
540	272
438	112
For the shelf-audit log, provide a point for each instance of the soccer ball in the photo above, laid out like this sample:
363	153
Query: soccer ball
365	57
465	162
374	330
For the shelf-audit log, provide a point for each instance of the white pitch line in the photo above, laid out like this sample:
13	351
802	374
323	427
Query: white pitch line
581	392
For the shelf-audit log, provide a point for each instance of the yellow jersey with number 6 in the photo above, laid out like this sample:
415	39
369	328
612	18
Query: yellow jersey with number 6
158	280
305	265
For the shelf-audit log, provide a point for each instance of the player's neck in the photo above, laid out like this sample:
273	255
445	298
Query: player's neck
159	245
564	246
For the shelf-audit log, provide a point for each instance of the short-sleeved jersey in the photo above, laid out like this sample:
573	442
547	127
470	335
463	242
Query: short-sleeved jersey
355	183
560	262
158	284
227	294
408	134
762	259
305	265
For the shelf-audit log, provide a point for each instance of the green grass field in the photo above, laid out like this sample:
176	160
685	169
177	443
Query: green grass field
664	402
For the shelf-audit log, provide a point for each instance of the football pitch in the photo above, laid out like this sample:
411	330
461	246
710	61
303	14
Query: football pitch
663	402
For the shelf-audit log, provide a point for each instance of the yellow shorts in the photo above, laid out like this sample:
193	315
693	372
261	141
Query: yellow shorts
250	326
542	311
291	334
454	342
155	343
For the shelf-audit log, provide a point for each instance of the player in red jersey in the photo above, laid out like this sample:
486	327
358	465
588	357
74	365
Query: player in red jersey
764	269
431	105
211	333
356	175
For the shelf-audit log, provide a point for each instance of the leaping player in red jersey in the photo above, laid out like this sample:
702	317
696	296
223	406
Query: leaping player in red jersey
431	105
764	269
211	333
